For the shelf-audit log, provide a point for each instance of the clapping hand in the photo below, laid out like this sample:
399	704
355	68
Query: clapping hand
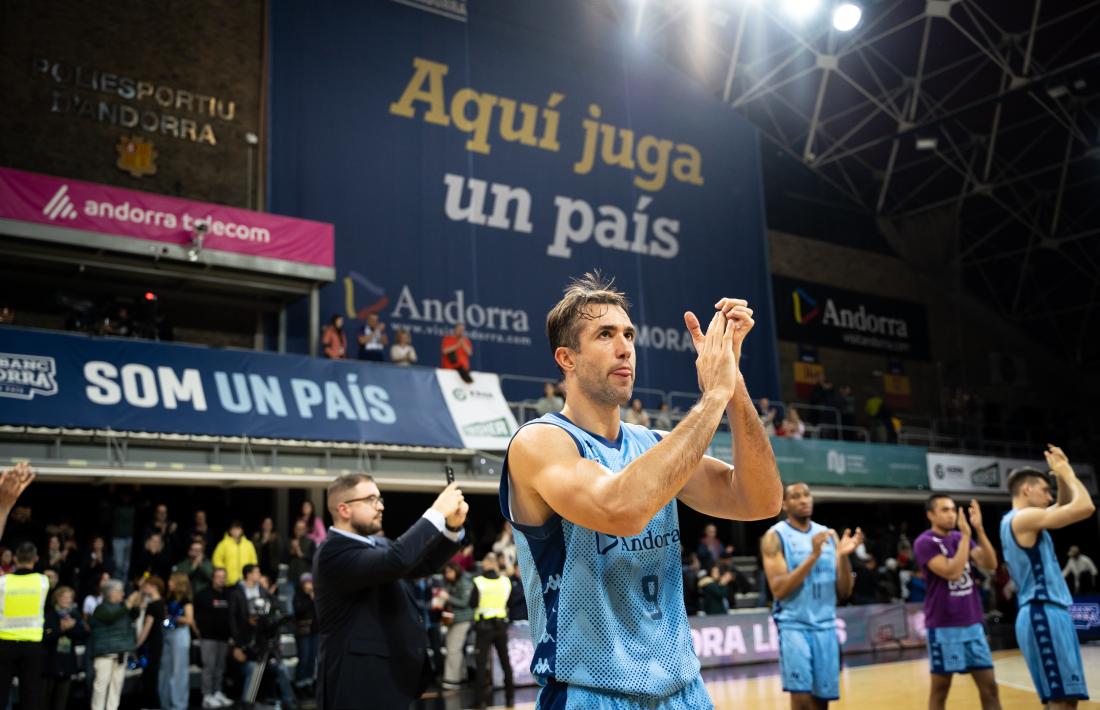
848	542
13	482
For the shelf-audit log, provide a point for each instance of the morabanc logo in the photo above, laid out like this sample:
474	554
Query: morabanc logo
24	376
805	307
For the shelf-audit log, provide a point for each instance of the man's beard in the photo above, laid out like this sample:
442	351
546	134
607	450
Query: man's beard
600	390
365	529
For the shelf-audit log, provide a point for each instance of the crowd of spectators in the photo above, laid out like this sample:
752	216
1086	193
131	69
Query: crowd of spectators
143	598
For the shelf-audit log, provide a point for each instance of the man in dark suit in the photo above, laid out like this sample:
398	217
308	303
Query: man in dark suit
373	642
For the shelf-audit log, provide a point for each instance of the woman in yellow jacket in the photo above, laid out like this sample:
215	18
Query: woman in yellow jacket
234	552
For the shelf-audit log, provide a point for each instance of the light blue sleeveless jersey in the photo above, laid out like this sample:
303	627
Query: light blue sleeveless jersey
1034	569
813	605
606	612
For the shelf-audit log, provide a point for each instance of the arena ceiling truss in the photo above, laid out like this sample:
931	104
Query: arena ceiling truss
968	128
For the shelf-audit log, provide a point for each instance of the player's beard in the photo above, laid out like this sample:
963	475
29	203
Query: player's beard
597	387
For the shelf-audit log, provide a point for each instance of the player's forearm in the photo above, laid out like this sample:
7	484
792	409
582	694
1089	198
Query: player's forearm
649	482
1079	497
756	480
786	584
962	556
844	580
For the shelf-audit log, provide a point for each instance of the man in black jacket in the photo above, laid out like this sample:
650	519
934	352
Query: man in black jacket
212	618
373	644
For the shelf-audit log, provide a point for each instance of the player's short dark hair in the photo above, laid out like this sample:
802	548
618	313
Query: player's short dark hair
1017	477
930	504
563	320
789	486
26	553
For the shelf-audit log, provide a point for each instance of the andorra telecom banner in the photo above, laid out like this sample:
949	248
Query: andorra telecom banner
475	156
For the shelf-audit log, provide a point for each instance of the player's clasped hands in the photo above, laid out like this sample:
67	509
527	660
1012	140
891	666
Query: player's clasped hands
719	348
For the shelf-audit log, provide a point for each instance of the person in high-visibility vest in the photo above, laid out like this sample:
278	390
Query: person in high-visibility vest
491	625
23	595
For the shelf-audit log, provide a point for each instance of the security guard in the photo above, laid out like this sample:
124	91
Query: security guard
22	616
491	625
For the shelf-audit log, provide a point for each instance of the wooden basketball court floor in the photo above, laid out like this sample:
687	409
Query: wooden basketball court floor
901	685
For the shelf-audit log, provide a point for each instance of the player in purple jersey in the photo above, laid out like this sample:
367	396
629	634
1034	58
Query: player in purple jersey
952	607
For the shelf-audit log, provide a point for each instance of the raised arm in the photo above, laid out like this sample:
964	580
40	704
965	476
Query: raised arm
781	581
13	482
984	555
845	546
551	476
750	489
952	568
1079	505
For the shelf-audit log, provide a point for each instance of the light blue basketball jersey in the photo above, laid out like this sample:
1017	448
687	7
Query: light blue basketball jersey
606	612
1034	569
813	605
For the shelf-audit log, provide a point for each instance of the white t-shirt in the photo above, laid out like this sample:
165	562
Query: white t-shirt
402	354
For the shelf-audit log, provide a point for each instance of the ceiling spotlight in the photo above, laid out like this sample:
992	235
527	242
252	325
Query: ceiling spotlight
927	143
846	16
800	9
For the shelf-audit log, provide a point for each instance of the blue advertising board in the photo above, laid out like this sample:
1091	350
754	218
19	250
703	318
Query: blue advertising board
475	157
62	379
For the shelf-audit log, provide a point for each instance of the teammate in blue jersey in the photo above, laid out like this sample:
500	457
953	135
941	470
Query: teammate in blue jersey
592	501
808	569
1044	628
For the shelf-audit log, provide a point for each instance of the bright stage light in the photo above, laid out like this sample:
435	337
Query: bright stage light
800	9
846	16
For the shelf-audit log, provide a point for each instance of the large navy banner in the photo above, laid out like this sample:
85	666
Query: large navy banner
474	160
55	379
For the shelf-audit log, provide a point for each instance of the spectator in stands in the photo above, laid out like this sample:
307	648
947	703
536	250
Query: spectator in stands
737	583
306	633
300	551
112	637
455	351
119	324
464	558
517	599
201	530
93	565
122	533
60	560
847	402
94	597
768	413
866	585
710	547
212	619
334	340
248	602
1083	570
234	552
166	528
64	629
315	527
373	339
714	591
457	594
269	548
505	547
663	420
550	401
22	527
196	566
636	414
691	570
173	682
153	559
7	561
150	640
916	586
7	314
793	427
402	352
